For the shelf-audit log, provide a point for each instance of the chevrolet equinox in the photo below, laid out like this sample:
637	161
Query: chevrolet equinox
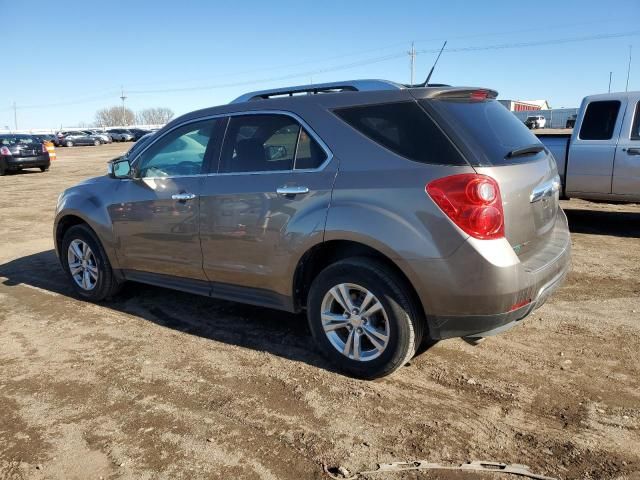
390	214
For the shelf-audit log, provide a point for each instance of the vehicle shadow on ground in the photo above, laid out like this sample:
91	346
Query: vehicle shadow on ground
618	224
280	333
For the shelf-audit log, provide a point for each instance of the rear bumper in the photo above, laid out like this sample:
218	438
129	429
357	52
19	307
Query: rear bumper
27	162
473	293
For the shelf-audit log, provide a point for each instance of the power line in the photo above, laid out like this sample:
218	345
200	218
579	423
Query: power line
344	66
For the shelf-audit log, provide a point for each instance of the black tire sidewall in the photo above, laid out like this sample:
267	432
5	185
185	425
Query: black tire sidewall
388	291
105	275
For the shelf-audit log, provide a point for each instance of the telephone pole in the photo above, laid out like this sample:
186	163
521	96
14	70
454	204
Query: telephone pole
610	73
412	55
626	89
123	97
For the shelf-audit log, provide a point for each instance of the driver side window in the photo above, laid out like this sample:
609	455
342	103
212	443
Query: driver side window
180	152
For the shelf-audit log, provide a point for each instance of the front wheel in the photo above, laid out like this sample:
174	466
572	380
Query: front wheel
69	143
96	143
86	264
363	319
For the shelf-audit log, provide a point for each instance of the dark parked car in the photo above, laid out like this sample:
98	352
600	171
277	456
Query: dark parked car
19	151
77	137
138	133
390	214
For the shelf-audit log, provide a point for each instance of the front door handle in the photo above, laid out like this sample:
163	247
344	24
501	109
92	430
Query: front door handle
183	197
632	151
292	190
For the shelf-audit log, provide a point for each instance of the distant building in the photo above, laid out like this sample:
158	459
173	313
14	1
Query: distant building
525	105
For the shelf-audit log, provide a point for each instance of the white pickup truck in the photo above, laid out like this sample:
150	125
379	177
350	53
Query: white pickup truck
601	159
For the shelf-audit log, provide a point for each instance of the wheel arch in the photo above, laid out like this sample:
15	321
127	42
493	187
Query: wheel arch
324	254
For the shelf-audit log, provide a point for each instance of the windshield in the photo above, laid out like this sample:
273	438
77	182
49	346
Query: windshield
491	127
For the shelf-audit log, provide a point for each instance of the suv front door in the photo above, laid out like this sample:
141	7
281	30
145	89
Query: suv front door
268	199
156	213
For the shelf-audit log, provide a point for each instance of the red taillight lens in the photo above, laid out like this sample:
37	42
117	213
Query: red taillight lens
5	151
479	95
472	202
44	148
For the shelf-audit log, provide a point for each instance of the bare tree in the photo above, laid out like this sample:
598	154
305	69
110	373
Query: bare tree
114	116
154	116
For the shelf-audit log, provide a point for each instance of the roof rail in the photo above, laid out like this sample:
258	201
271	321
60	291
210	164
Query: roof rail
333	87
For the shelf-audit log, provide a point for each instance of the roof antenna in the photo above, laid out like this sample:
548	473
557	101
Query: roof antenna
426	82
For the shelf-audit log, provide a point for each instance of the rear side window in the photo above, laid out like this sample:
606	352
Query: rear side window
405	129
493	130
599	120
268	143
635	130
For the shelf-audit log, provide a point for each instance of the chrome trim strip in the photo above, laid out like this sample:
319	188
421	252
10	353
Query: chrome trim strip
295	116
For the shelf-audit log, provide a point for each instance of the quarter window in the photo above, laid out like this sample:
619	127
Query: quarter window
635	130
180	152
599	120
268	143
405	129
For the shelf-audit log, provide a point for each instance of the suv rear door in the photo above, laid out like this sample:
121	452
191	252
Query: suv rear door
250	227
626	171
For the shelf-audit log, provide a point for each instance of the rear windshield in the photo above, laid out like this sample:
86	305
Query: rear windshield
490	126
405	129
13	139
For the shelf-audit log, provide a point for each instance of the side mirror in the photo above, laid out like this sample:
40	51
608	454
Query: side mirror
119	169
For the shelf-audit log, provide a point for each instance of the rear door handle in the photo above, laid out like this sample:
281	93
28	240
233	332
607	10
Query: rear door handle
292	190
632	151
183	197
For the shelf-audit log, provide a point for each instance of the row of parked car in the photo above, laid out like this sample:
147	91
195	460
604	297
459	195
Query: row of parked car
71	138
539	121
20	151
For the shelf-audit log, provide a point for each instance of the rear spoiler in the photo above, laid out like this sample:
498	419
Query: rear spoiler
464	94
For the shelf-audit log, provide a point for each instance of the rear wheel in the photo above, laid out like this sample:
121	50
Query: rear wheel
362	318
86	264
44	169
69	143
96	143
3	169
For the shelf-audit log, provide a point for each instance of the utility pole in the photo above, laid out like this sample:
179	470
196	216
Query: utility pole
610	73
15	115
412	55
626	89
123	97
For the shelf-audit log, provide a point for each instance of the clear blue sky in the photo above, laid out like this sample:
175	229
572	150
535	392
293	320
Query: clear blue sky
64	60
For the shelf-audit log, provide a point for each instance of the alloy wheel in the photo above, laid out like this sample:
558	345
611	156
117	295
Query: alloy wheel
355	322
82	264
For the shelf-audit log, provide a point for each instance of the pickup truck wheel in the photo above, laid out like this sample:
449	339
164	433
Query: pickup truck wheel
362	319
86	263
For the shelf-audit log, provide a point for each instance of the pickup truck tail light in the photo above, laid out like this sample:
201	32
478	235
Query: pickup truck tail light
472	202
5	151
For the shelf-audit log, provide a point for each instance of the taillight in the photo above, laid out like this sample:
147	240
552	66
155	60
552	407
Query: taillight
44	148
5	151
472	202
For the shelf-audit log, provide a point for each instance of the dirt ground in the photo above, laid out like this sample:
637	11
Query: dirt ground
161	385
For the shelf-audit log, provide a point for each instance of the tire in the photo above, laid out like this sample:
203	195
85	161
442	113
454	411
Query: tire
96	143
105	285
44	169
3	169
398	320
68	143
